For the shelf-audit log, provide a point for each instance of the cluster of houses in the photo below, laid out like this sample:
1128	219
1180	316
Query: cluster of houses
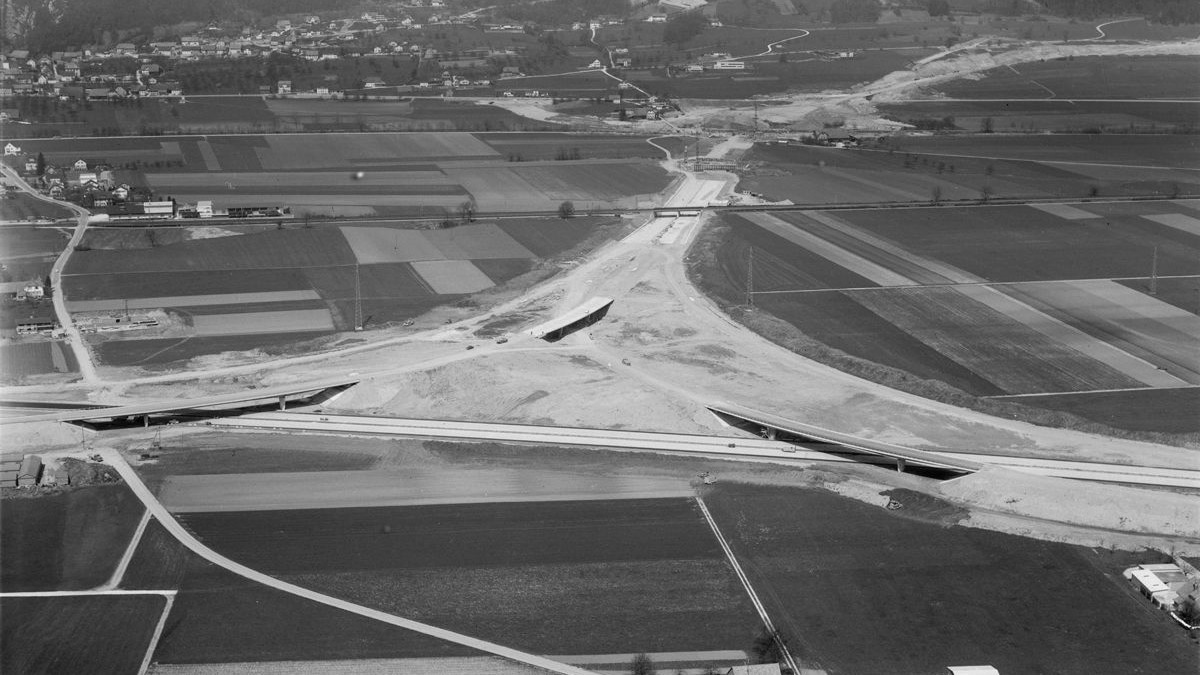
60	74
87	183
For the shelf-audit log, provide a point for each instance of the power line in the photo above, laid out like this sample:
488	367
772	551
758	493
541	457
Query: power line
357	300
750	279
1154	273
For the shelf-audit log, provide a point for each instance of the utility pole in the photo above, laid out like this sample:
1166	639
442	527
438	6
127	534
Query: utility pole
357	300
750	279
1154	273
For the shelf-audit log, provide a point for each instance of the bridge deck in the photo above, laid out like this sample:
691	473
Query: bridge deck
848	441
170	405
580	313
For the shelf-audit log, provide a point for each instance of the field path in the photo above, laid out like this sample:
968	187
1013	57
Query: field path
119	572
134	481
772	45
1100	28
737	568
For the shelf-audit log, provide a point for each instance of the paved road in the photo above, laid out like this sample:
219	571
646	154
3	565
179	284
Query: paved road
168	521
717	446
87	369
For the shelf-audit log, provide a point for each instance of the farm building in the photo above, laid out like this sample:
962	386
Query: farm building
36	324
1146	578
10	467
12	288
30	471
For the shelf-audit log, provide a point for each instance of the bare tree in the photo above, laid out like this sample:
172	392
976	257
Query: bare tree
935	194
985	193
466	211
769	646
1189	611
641	665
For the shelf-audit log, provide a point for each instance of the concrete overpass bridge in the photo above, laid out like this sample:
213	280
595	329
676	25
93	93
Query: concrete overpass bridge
774	427
252	398
584	315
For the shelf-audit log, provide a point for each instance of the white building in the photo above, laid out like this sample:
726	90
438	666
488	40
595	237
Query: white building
729	65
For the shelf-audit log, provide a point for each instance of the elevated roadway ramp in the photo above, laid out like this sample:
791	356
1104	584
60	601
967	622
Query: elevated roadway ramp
279	394
584	315
775	427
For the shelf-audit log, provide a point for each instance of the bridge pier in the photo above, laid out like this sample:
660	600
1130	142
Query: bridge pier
146	421
283	402
901	464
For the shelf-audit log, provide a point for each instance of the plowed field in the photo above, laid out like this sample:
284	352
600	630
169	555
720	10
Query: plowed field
580	577
855	587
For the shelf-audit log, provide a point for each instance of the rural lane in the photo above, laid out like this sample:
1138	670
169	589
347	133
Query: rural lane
117	461
87	369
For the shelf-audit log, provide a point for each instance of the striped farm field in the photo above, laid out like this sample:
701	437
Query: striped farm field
278	287
996	301
448	277
190	300
21	360
308	151
1028	244
78	634
1136	322
999	348
382	174
598	576
287	321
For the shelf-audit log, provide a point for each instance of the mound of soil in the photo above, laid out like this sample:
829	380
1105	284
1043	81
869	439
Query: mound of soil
913	504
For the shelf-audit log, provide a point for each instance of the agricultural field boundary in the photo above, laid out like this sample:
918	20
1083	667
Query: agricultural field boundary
480	665
117	461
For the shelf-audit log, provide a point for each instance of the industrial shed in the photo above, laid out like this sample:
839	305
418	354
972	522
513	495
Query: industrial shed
30	472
